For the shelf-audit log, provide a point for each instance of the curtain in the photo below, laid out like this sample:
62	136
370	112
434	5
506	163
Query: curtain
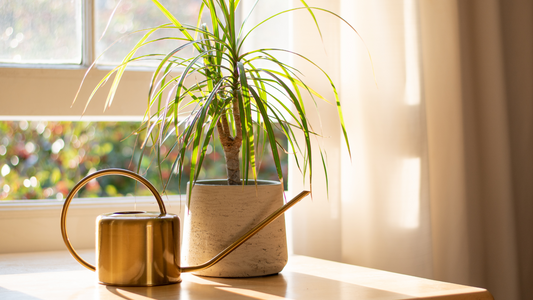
439	181
481	51
385	203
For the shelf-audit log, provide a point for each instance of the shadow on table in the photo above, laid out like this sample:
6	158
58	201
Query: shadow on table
289	285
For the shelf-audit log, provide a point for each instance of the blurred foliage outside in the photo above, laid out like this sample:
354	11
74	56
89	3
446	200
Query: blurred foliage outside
44	160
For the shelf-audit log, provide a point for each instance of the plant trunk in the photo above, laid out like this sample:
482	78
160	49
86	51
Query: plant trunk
232	163
231	146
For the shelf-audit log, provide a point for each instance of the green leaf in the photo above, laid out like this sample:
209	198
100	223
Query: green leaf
247	17
303	118
337	100
249	155
200	119
314	19
199	21
271	136
324	165
174	20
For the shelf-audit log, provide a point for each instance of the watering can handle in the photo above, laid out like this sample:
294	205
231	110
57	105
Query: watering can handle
83	182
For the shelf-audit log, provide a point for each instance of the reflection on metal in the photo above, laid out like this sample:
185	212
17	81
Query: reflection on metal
138	248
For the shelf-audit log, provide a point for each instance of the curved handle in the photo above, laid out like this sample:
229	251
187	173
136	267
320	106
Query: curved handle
83	182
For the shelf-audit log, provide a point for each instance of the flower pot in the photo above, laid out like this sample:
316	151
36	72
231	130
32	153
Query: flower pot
219	214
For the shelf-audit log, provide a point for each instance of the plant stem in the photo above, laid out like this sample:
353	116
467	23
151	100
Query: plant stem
231	146
233	164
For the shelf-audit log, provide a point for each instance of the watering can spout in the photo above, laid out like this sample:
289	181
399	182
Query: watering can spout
247	235
138	248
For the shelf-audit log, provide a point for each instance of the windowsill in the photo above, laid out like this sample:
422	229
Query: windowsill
25	208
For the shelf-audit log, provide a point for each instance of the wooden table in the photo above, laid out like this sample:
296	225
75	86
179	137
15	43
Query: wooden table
56	275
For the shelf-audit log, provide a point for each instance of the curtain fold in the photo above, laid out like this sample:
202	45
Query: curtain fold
487	147
489	246
517	38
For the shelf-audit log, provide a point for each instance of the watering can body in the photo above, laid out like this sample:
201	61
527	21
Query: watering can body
139	248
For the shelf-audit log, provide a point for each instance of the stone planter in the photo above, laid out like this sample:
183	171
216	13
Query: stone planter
219	214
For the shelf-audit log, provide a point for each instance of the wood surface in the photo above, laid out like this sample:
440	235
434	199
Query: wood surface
56	275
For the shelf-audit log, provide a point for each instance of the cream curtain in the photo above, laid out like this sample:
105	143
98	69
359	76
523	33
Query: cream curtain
385	200
440	179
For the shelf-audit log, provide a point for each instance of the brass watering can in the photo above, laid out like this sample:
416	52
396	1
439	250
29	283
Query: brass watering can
142	248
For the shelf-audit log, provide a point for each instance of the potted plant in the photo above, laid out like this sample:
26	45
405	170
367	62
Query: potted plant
230	99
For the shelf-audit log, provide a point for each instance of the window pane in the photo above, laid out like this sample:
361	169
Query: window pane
44	160
40	31
135	15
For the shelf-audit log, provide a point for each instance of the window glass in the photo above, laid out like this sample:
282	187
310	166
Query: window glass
40	31
116	23
44	160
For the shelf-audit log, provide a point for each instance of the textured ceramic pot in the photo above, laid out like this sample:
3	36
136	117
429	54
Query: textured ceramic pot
219	214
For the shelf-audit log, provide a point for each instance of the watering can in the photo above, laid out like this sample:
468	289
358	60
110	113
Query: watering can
142	248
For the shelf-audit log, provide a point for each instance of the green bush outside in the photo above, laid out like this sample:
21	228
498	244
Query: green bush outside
44	160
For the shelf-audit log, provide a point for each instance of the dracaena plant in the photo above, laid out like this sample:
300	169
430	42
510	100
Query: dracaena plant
230	94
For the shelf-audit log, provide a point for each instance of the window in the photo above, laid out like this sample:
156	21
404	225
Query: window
39	89
37	92
45	49
28	110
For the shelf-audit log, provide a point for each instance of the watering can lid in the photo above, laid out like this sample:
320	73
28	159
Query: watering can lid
136	215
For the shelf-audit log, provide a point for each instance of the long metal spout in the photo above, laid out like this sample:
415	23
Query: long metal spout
247	235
